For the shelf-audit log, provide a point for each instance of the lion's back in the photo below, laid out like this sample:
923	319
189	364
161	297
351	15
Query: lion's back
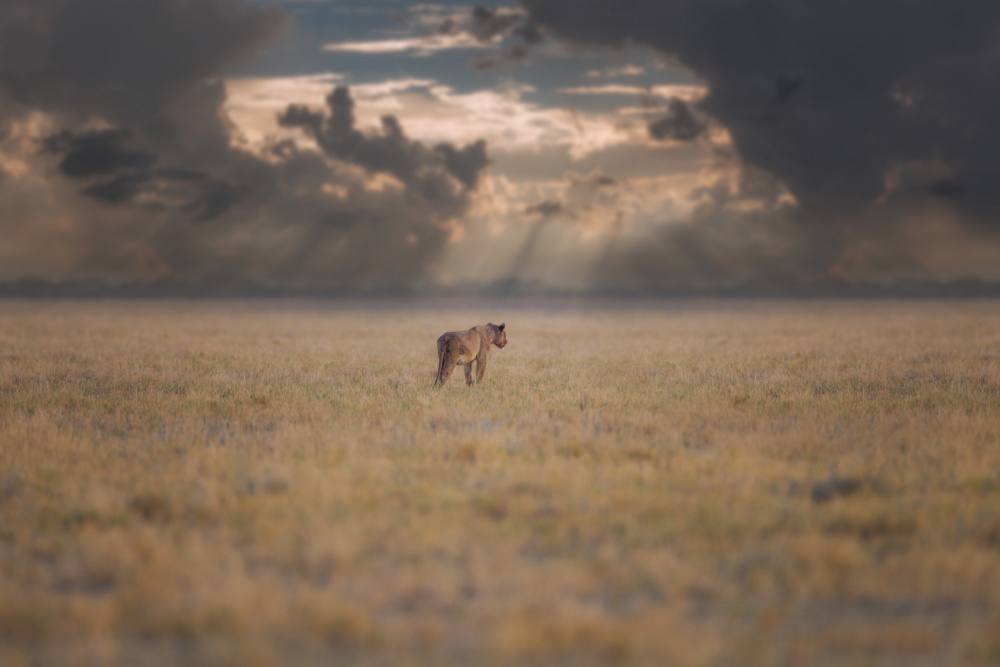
461	343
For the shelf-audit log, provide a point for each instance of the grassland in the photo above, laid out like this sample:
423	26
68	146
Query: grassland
687	484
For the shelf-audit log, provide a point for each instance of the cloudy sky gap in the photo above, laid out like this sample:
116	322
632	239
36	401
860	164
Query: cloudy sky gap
637	146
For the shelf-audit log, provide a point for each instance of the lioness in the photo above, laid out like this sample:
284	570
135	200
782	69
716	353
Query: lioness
463	347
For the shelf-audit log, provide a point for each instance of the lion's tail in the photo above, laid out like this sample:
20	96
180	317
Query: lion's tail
437	378
442	355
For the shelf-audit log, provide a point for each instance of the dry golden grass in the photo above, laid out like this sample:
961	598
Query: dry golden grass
685	484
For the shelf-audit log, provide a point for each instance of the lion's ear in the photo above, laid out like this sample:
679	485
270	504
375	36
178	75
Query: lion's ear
501	327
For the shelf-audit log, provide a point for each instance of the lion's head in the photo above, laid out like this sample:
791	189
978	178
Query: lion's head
500	339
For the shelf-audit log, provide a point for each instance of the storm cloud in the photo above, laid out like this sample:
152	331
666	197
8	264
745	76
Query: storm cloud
118	59
866	112
120	163
486	24
434	173
679	122
116	174
801	142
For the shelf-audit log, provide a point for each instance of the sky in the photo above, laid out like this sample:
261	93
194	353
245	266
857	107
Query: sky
571	146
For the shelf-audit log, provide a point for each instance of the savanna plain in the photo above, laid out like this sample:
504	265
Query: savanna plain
650	483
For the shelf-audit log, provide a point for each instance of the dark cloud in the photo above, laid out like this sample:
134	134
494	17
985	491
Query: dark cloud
164	189
123	60
434	173
545	209
784	88
97	153
872	85
831	98
118	189
448	27
528	33
121	175
486	24
213	201
946	188
145	70
680	123
298	115
467	163
485	63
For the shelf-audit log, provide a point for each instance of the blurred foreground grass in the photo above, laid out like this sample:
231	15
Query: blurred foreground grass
687	484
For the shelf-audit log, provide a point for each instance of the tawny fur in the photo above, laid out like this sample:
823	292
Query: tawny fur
461	348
